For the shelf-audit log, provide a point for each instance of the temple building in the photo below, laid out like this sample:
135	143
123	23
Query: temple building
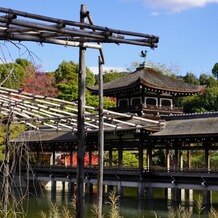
148	91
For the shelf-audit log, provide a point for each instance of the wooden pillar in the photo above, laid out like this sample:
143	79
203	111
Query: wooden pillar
182	195
53	190
70	187
63	186
90	156
53	156
81	123
120	152
141	154
181	160
168	159
110	157
190	195
149	158
71	156
189	159
169	193
176	158
207	157
207	197
176	194
100	139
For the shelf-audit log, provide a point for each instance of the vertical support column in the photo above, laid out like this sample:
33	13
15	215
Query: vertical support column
90	156
207	193
183	195
53	157
189	159
168	159
169	193
207	198
176	158
53	190
71	156
110	157
81	124
191	199
141	153
176	194
70	188
120	152
100	139
181	160
149	158
207	158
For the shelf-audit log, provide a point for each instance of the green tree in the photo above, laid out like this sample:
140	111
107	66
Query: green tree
16	129
66	73
12	75
66	77
191	78
207	80
109	76
129	159
24	63
208	101
215	70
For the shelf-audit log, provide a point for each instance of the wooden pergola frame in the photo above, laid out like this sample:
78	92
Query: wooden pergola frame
21	26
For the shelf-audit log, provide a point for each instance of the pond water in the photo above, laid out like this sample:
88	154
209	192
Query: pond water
129	207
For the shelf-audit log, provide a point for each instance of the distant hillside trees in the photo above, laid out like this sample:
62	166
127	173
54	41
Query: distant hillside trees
207	101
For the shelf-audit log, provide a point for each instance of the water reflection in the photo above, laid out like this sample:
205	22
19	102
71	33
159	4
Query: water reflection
130	207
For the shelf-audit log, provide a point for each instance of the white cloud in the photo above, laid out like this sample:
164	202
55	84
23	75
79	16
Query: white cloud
177	5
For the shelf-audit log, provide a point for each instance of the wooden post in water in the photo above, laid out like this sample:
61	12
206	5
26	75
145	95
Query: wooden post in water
81	125
100	140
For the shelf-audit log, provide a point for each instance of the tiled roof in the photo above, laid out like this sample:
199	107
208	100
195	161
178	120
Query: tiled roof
152	79
193	126
46	136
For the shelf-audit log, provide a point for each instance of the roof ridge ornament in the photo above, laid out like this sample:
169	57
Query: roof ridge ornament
143	54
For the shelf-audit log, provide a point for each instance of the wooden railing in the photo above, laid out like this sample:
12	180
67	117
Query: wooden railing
146	108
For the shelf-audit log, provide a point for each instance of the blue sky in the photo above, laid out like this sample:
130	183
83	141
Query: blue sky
187	29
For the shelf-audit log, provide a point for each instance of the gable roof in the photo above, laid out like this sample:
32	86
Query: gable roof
152	79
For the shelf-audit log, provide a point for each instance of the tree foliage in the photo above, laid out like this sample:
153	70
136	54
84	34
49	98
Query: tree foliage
215	70
41	84
129	159
208	101
12	74
191	79
66	77
109	76
16	129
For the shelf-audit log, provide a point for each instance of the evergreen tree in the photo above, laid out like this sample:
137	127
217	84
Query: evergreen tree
215	70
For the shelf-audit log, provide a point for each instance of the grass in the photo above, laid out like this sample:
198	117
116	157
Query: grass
70	212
